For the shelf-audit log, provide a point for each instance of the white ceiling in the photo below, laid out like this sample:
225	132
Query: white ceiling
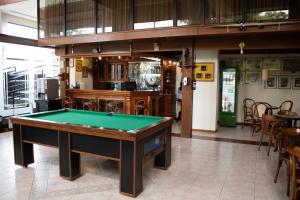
25	9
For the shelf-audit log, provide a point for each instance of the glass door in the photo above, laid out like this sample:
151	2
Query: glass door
228	91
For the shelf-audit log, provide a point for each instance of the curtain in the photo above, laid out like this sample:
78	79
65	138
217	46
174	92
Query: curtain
231	11
153	10
189	12
114	15
51	17
80	17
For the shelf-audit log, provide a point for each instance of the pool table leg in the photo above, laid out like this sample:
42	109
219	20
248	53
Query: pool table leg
131	168
69	162
163	159
23	151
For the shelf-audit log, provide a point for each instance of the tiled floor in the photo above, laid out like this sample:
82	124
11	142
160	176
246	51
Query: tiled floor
200	170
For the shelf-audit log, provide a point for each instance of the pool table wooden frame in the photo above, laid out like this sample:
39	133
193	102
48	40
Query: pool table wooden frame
123	146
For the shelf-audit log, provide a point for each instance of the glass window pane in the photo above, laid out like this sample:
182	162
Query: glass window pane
189	12
51	18
111	72
153	14
113	15
268	10
80	17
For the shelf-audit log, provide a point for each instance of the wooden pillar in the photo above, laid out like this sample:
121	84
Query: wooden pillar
187	93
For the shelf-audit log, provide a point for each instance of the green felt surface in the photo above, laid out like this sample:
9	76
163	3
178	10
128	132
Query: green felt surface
98	119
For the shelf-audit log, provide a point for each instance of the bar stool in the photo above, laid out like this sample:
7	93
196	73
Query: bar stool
68	102
89	104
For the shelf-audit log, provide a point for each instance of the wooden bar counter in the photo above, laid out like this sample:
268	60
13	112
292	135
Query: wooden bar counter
128	102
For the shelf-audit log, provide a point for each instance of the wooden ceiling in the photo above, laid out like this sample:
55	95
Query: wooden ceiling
4	2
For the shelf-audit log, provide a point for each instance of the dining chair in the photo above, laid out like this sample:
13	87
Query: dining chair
285	107
259	108
283	155
294	153
248	105
270	126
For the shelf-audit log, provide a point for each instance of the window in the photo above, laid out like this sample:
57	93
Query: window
113	15
80	17
21	31
21	69
51	18
153	14
189	12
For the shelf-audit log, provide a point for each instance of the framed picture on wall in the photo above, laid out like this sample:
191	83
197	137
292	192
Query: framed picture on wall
252	77
271	82
271	63
296	82
284	82
78	65
253	64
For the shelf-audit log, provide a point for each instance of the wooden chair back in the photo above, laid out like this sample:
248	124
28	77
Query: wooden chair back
248	105
259	109
285	107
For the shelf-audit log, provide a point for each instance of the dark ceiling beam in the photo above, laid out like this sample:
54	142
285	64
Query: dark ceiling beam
18	40
174	32
4	2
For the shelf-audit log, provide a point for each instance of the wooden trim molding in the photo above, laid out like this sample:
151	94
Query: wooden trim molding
291	26
220	139
205	130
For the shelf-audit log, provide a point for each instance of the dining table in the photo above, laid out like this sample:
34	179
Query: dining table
291	119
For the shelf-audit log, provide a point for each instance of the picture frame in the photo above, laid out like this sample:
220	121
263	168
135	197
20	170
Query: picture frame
253	64
78	65
272	64
271	82
204	71
284	82
253	77
84	72
296	83
237	63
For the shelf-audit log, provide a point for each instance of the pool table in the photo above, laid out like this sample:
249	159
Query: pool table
129	139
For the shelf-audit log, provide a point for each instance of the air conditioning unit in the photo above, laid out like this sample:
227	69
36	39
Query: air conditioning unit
291	65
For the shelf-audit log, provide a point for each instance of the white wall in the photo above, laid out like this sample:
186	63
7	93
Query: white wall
205	97
272	96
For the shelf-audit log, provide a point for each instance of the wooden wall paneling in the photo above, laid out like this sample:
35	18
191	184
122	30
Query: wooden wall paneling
17	40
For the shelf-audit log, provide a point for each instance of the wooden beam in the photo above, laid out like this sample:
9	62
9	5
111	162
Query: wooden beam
18	40
187	92
4	2
173	32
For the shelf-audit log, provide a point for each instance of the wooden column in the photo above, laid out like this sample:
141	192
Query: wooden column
187	93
